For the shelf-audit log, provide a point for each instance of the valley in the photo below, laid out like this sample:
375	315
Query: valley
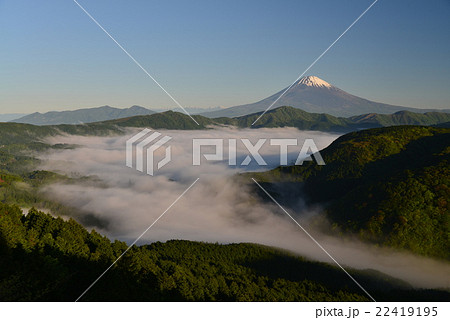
67	169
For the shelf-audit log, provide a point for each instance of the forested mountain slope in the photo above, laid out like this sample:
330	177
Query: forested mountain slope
48	259
390	186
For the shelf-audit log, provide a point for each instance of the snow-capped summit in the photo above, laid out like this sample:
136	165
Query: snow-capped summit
312	81
313	94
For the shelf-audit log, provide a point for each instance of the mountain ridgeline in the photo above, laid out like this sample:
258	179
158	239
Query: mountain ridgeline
284	117
389	186
315	95
310	94
20	134
81	116
291	117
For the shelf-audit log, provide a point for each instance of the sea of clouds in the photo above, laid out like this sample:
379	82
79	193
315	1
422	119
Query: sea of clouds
218	208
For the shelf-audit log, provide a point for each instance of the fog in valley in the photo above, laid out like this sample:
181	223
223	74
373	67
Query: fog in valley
218	208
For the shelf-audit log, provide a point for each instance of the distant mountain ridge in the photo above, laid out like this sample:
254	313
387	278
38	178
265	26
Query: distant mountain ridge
280	117
82	115
310	94
313	94
284	117
5	117
190	110
89	115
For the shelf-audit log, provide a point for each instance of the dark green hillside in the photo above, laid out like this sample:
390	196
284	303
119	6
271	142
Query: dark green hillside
19	180
165	120
89	129
20	133
390	186
292	117
48	259
402	118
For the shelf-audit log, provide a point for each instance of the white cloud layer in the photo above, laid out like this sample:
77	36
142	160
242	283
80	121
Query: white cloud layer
217	208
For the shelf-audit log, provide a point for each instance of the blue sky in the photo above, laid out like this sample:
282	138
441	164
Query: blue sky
211	53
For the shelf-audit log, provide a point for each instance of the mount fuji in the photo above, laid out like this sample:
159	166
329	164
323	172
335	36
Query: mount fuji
313	94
